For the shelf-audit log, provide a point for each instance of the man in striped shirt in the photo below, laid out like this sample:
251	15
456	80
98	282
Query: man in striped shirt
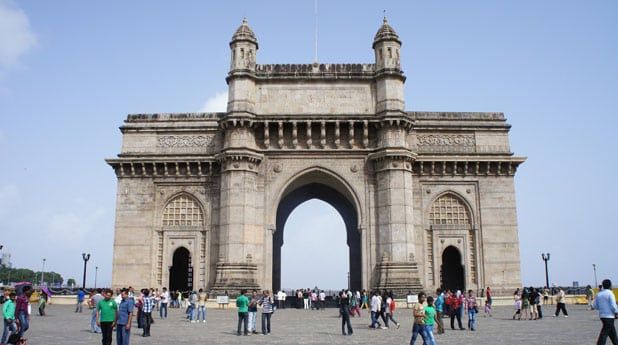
267	310
149	303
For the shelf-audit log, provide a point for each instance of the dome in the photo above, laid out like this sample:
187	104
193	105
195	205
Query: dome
386	33
244	33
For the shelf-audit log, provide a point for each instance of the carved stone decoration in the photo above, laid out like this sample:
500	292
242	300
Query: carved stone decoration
354	168
277	168
185	140
446	142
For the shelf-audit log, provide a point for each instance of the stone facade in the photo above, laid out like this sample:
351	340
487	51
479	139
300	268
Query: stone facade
428	198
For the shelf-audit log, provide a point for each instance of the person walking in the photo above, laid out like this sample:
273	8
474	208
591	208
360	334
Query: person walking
472	308
390	309
242	303
454	304
125	316
532	296
605	303
354	306
439	306
253	304
267	304
8	313
147	308
202	297
431	319
165	300
364	300
344	311
192	308
306	299
418	310
560	303
107	314
80	300
323	300
94	301
375	309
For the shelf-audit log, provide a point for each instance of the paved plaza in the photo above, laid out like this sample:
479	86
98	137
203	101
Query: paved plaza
291	326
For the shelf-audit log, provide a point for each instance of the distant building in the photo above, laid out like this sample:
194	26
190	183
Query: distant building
5	260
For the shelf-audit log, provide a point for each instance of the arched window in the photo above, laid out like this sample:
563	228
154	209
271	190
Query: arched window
183	211
449	210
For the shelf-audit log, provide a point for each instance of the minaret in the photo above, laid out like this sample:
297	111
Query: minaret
392	164
389	76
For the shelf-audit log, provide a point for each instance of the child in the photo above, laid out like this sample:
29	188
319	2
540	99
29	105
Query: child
487	308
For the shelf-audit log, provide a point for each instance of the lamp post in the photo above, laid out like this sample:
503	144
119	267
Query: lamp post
42	273
545	258
594	268
96	271
86	257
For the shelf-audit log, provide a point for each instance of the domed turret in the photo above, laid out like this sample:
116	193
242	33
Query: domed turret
244	33
385	33
244	47
386	45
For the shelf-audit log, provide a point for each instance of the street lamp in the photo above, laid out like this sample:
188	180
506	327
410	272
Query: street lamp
545	258
42	273
86	257
96	271
594	268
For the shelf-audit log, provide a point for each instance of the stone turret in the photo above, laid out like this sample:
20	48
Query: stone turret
386	45
241	92
389	76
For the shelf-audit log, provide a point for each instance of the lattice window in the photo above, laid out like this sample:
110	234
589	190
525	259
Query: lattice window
183	210
449	210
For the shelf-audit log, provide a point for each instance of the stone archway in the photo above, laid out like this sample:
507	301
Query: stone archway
452	270
348	213
181	271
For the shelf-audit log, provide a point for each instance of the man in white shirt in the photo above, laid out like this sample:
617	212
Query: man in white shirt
322	299
165	299
376	303
605	303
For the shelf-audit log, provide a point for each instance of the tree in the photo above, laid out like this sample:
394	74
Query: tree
71	282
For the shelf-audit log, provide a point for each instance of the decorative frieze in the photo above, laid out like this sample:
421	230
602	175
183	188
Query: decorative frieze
175	141
446	142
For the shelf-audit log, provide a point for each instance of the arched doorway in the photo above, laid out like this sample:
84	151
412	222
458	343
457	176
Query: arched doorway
348	213
181	271
452	270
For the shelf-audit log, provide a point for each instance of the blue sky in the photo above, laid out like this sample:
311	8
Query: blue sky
70	71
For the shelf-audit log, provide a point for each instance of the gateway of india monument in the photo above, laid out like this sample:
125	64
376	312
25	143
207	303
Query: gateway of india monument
427	198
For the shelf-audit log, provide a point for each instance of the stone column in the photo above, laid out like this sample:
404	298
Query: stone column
397	268
238	228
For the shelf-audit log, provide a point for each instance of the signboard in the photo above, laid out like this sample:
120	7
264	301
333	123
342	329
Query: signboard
223	299
411	299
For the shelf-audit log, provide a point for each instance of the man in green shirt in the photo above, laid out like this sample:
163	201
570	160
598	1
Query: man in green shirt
8	311
431	318
107	314
242	303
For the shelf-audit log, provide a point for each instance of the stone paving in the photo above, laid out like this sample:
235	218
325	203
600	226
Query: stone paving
290	326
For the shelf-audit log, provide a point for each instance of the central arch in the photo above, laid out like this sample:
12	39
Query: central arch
318	184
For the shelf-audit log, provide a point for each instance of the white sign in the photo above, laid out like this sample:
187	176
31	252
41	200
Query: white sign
223	299
412	299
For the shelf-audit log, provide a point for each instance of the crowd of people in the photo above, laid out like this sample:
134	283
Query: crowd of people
119	311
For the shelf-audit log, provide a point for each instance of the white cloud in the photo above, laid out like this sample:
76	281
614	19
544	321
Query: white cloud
218	102
71	228
16	35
